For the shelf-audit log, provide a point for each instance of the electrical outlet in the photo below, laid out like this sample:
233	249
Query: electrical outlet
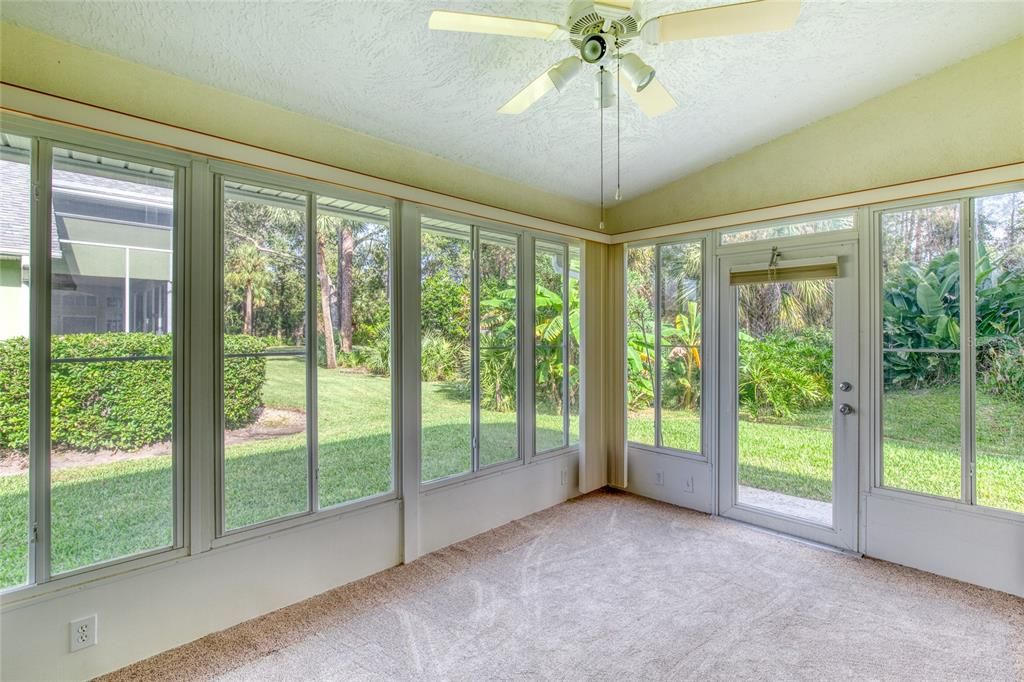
565	477
659	478
83	632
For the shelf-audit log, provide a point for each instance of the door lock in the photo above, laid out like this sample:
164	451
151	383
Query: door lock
846	387
845	409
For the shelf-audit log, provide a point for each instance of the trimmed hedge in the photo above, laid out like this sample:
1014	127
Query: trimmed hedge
116	404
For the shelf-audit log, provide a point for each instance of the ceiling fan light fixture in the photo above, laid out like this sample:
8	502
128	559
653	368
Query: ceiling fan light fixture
594	48
564	71
640	74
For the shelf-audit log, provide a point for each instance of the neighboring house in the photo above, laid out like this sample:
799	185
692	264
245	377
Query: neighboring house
110	244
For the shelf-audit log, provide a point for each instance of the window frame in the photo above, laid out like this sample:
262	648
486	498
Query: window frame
526	239
312	190
197	265
824	235
45	137
707	241
967	244
566	255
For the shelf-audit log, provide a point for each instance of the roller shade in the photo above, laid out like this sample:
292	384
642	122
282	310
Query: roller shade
786	271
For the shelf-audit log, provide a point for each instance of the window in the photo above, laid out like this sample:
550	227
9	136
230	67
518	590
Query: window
264	377
278	434
353	304
999	339
952	350
921	349
446	349
15	203
112	405
556	345
100	427
497	360
469	309
787	229
664	351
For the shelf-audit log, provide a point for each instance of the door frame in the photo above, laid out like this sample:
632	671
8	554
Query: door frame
846	333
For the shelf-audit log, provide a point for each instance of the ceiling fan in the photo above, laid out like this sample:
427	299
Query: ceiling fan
599	30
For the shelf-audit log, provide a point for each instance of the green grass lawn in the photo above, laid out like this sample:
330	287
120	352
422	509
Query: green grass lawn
110	510
921	449
115	509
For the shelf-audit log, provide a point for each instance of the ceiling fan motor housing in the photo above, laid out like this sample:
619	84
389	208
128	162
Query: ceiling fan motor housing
588	19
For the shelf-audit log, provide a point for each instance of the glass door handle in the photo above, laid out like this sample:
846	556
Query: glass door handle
845	409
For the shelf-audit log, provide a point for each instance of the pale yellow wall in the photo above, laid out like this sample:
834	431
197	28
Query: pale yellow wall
41	62
965	117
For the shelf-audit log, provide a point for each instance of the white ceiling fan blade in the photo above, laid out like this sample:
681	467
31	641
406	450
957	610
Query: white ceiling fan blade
654	100
442	20
526	97
725	20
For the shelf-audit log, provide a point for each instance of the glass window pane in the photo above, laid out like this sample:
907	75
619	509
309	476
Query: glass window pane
785	367
112	386
264	371
681	354
445	294
921	423
498	357
640	349
999	401
15	203
354	350
921	318
787	230
549	346
574	344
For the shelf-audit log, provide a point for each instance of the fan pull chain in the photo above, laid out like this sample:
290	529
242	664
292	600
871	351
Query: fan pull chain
600	112
618	125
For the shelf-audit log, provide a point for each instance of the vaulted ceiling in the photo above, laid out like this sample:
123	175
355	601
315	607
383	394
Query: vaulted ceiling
373	66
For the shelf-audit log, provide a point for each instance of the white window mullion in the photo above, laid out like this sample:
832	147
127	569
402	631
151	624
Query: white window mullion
312	344
474	346
526	299
656	379
566	331
218	330
967	353
39	362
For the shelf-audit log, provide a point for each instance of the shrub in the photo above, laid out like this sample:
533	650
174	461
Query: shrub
785	372
14	357
243	380
922	310
1002	371
440	359
116	404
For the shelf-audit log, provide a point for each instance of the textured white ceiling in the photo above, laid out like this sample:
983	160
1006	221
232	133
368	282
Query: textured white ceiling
373	66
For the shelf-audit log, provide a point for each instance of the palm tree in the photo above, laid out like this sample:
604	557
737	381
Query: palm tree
247	270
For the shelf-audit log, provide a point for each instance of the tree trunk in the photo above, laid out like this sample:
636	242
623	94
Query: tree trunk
247	311
325	304
346	246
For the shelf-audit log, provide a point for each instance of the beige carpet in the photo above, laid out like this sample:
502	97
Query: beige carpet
616	587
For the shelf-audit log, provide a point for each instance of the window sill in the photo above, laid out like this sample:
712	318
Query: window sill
946	504
17	597
672	452
287	523
26	595
493	470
